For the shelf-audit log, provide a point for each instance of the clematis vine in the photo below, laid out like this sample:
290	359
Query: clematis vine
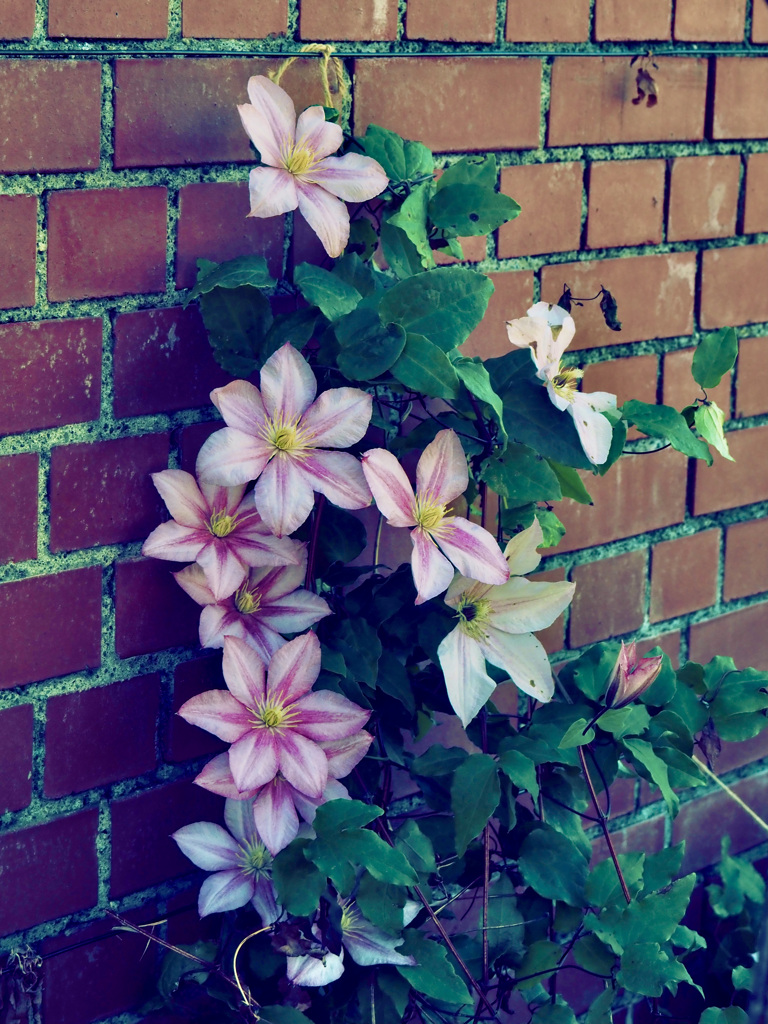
272	720
217	527
275	436
297	167
548	331
238	858
267	603
440	541
496	624
631	677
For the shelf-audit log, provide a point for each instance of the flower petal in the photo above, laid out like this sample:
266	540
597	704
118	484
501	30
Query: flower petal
339	418
432	572
294	669
288	385
218	621
238	817
271	191
275	816
284	494
265	901
473	550
274	119
192	581
523	606
207	845
312	971
226	890
257	546
307	807
174	542
216	777
313	132
468	684
520	553
325	715
182	497
326	215
230	456
337	475
442	473
218	712
594	430
369	945
345	753
390	487
224	570
265	640
244	672
353	177
253	759
302	763
296	612
524	660
241	406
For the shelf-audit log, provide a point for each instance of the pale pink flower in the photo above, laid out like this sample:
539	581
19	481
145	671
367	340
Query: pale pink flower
496	624
217	527
267	603
631	676
272	720
299	170
441	476
548	331
274	436
240	861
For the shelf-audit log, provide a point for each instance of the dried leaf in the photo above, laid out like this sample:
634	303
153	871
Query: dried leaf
646	88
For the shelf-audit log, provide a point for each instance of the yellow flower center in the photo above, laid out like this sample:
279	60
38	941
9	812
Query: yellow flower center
566	381
254	858
428	514
473	614
286	436
299	159
350	915
247	601
271	715
220	524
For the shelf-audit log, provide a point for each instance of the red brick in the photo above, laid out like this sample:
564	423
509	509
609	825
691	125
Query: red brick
143	853
163	361
654	295
720	21
18	229
729	484
48	871
17	19
50	374
348	19
52	626
152	611
558	21
616	19
106	242
513	294
108	19
746	559
684	574
107	973
660	478
474	249
756	195
185	741
695	820
752	378
626	203
191	440
458	21
646	836
760	23
18	486
668	642
680	389
443	101
741	98
101	735
214	225
102	492
704	194
550	215
51	115
732	289
609	598
736	755
233	19
740	635
16	725
591	102
633	377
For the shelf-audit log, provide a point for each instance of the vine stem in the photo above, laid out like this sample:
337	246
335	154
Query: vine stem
131	927
248	1001
309	579
486	849
603	823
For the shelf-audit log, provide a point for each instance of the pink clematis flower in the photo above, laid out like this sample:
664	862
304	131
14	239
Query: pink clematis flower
299	170
548	331
273	721
267	603
274	436
239	859
631	676
496	624
441	476
217	527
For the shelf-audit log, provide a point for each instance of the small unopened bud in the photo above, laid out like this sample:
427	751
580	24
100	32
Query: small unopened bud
631	676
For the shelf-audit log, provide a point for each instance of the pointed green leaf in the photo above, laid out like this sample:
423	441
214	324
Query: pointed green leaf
714	356
521	770
368	347
541	956
342	815
571	483
666	423
332	296
477	381
552	529
425	368
401	254
434	976
387	148
554	1013
553	867
724	1015
531	419
470	170
643	752
415	847
243	270
475	795
647	970
520	475
298	883
411	218
471	209
237	321
381	904
709	421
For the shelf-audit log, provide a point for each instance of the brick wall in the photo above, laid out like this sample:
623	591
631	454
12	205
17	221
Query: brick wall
123	161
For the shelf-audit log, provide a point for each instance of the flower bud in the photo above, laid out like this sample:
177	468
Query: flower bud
631	676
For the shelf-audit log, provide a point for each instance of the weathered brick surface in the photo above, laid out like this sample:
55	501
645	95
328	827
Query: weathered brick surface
668	642
742	634
746	559
704	194
729	484
102	492
756	194
459	21
17	19
647	836
512	296
50	113
613	219
152	612
735	79
16	725
728	292
185	741
609	598
191	440
633	377
18	229
419	96
101	735
752	377
108	19
684	574
720	21
550	215
52	626
591	102
680	389
233	19
759	23
64	878
348	19
18	487
615	19
563	21
50	373
106	242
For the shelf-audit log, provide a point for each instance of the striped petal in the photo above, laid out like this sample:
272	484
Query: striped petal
264	900
280	581
294	669
302	763
253	759
224	569
244	672
256	546
473	550
390	487
192	581
339	418
307	807
174	542
337	475
230	457
468	684
265	640
208	846
218	621
523	606
226	890
271	191
313	132
284	495
238	817
345	753
218	712
275	816
432	572
240	405
326	715
524	660
326	215
442	473
182	497
288	385
521	554
275	118
216	777
312	971
353	177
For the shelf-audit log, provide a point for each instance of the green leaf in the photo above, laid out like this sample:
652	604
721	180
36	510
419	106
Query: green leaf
475	795
521	770
439	761
471	209
506	931
425	368
477	381
631	720
359	642
244	270
531	419
355	272
664	422
647	970
652	918
603	886
741	883
660	868
332	296
571	483
418	160
341	539
368	347
577	735
298	883
553	1013
393	679
600	1010
434	976
411	218
541	956
552	529
714	356
237	320
643	752
593	955
176	967
296	328
553	867
282	1015
415	847
363	239
387	148
724	1015
743	978
470	170
400	253
709	421
381	904
520	475
445	305
591	672
336	816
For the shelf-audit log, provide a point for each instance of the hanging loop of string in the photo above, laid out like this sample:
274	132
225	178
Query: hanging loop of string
332	74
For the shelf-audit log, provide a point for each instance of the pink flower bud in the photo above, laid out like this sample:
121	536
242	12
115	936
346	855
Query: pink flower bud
631	676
